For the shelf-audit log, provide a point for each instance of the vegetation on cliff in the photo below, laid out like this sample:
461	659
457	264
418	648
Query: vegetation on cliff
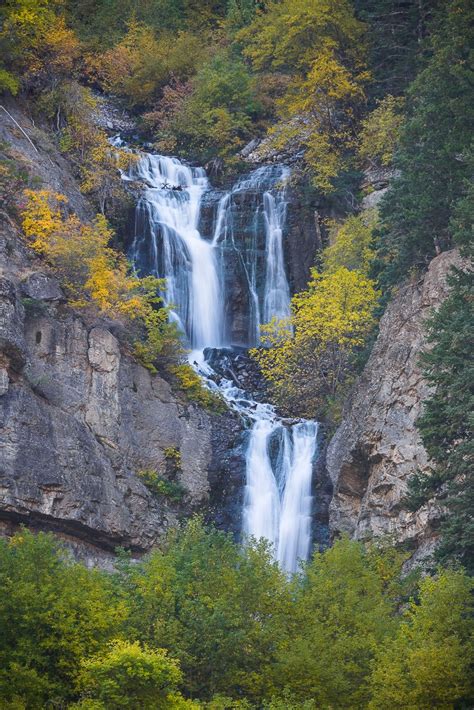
96	275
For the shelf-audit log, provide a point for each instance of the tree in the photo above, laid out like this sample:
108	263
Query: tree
213	114
142	63
380	132
308	358
319	48
433	155
397	30
427	664
36	46
342	613
52	613
128	675
447	422
351	243
215	605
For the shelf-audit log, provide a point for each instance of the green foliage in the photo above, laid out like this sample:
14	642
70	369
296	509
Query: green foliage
52	613
141	64
427	664
447	423
342	613
215	606
8	82
99	21
13	180
214	620
434	149
210	116
128	675
161	486
397	30
241	13
380	132
36	47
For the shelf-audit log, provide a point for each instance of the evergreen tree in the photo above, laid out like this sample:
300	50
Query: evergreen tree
433	157
397	31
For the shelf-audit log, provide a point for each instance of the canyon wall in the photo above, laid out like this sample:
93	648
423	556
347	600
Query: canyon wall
377	447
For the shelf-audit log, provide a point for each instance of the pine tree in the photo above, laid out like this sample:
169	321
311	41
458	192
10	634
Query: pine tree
433	157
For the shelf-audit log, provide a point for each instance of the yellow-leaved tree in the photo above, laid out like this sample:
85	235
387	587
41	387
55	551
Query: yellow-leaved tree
380	132
98	276
318	46
142	63
351	243
37	49
307	359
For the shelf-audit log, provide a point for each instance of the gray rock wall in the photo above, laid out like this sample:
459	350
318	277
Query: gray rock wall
79	418
377	447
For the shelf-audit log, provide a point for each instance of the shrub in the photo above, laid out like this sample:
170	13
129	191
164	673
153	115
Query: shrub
192	386
94	274
161	486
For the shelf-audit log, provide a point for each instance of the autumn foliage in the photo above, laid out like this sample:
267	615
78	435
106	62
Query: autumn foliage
96	275
307	359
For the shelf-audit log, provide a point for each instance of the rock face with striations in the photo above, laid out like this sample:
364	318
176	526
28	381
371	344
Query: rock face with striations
79	419
378	447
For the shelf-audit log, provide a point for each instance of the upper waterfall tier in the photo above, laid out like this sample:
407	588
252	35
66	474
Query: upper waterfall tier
220	253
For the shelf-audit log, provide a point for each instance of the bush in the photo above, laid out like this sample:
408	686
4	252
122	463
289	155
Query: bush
160	486
192	386
128	675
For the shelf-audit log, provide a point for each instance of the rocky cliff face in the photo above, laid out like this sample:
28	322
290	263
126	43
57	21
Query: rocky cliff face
377	447
79	418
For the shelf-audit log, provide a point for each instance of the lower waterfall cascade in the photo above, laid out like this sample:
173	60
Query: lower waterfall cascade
198	264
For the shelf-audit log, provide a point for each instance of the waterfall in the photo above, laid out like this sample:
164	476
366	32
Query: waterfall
269	295
197	269
277	293
168	213
278	498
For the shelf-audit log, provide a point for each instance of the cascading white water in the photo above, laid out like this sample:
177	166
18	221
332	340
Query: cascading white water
294	539
277	294
168	243
269	296
278	498
187	262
